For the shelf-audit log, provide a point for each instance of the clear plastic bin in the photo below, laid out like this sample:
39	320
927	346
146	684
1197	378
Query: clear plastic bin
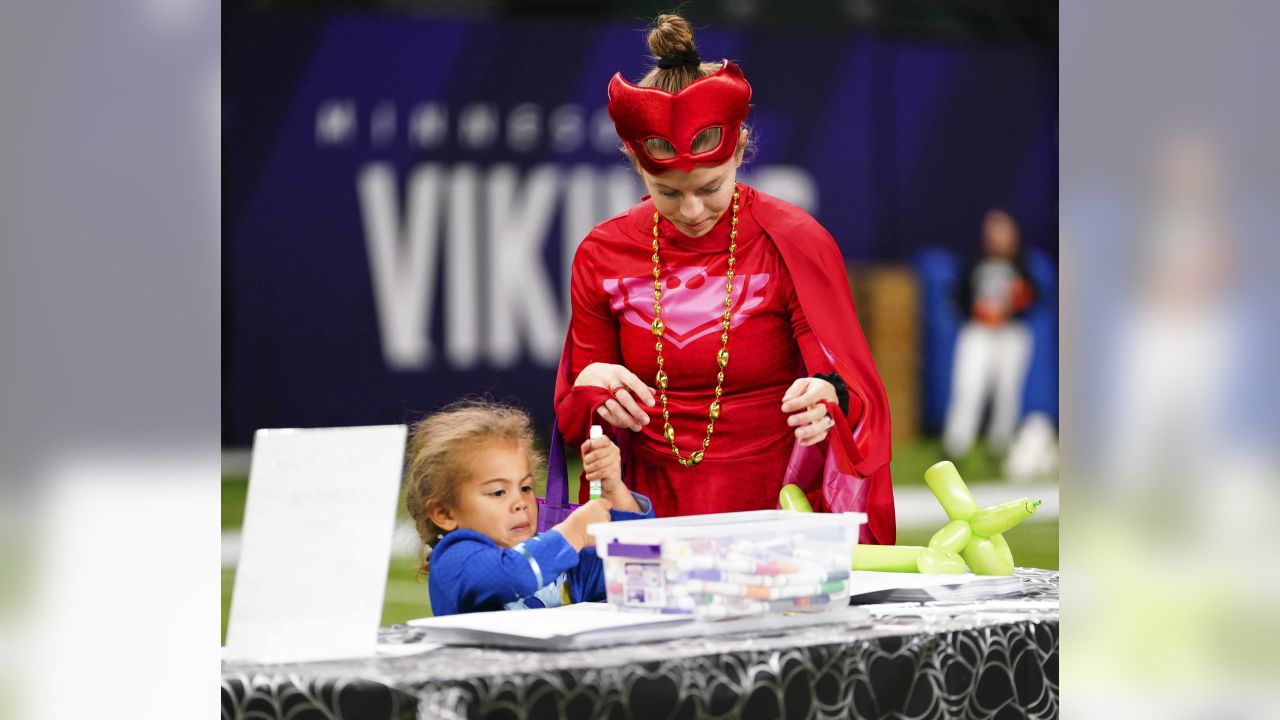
729	564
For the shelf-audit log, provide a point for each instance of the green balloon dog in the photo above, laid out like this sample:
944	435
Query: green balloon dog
974	537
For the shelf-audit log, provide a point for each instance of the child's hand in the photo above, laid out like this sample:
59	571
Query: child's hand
601	460
574	527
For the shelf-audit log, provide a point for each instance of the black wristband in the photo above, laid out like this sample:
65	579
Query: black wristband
842	391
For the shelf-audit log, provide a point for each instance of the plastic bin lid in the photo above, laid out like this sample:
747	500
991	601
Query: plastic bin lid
722	524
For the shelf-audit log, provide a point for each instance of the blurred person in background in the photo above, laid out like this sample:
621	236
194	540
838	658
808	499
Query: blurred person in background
1175	369
705	269
994	347
1181	585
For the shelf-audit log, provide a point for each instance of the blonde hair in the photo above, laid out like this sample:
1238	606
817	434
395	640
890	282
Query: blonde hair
672	35
439	455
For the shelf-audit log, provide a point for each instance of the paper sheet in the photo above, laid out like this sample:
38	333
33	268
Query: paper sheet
403	649
866	581
587	625
547	623
878	587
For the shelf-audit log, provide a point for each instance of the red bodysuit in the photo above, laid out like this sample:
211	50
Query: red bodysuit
771	343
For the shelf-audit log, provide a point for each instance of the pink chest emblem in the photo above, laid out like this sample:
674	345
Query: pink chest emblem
692	301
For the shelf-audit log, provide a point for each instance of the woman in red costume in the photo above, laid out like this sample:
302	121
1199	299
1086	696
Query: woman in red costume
734	304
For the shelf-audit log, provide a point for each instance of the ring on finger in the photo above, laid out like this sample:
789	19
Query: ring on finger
614	388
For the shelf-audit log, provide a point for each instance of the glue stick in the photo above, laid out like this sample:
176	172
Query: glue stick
596	489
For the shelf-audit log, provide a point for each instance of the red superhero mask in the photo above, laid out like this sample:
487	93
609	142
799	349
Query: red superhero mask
719	100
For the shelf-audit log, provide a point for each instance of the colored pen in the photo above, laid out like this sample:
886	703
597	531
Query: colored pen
596	488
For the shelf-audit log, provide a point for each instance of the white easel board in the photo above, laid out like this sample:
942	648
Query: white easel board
316	544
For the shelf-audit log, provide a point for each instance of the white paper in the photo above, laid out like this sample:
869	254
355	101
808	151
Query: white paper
867	581
316	544
403	649
872	587
588	625
547	623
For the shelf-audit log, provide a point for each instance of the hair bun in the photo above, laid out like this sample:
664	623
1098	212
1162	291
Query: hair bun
672	36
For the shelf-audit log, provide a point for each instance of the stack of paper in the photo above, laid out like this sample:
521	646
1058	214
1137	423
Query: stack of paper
867	587
585	625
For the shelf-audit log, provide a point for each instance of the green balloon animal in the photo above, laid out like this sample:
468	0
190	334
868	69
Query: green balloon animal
974	537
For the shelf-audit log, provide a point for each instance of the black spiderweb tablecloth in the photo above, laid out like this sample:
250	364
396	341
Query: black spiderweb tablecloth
992	659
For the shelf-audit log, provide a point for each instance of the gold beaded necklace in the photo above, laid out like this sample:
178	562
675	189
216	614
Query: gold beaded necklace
722	357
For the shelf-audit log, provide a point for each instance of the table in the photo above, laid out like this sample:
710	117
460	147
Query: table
992	659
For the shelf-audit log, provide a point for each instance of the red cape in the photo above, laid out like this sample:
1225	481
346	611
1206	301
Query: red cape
856	456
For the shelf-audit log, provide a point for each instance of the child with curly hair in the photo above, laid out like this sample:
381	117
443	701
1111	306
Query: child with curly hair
470	492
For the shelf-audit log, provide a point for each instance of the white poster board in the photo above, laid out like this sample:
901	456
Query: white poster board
316	544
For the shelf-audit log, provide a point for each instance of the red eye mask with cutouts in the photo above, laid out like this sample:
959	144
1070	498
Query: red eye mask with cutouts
720	101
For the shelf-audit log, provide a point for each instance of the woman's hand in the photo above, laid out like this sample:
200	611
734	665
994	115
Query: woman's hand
601	460
803	402
621	411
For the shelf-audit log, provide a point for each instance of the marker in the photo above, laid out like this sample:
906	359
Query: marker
597	490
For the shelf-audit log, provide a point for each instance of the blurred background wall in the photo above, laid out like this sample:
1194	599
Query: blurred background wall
405	183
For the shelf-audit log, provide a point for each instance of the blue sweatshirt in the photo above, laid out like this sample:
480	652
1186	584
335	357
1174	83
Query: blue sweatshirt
471	573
